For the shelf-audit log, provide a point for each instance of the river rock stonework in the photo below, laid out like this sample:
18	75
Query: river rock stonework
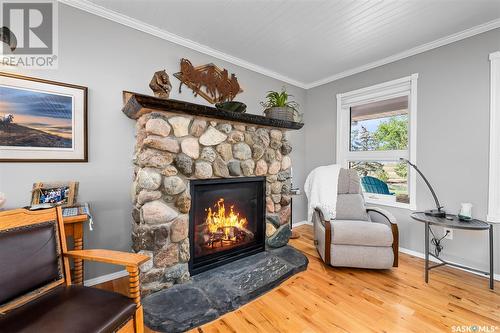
170	150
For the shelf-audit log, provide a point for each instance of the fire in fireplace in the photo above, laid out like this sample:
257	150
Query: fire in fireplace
223	228
226	220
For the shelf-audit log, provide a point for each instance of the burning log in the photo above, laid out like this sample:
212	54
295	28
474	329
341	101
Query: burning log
245	235
215	237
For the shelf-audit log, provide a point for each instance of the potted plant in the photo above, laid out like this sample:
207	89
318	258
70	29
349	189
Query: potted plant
278	106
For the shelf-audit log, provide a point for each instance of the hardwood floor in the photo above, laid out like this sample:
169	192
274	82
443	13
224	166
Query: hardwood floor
327	299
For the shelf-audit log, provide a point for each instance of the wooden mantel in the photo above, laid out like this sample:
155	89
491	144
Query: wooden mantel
137	105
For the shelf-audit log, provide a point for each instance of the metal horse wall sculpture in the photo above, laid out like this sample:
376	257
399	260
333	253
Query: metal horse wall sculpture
208	81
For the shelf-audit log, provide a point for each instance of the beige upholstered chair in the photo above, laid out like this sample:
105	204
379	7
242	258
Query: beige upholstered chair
359	236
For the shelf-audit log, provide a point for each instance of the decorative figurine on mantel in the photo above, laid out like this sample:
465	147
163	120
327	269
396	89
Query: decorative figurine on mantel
209	81
160	84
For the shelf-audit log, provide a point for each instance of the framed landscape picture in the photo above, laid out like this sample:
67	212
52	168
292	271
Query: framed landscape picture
41	120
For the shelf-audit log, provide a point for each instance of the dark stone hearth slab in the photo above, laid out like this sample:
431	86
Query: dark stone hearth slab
215	292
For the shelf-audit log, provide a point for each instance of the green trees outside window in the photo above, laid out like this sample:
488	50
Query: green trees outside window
390	133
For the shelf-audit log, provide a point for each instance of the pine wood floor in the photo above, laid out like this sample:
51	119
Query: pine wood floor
327	299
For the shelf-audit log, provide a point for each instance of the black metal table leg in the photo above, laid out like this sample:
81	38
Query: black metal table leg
491	258
426	252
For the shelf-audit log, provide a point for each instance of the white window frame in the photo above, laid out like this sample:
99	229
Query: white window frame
494	169
406	86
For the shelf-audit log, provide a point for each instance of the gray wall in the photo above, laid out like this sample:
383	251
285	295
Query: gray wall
108	58
452	130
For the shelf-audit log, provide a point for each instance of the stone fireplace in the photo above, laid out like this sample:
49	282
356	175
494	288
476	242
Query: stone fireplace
196	193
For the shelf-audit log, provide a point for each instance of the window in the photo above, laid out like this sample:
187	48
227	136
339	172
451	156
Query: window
494	177
377	127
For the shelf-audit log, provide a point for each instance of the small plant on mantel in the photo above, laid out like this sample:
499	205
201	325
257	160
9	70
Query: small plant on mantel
278	106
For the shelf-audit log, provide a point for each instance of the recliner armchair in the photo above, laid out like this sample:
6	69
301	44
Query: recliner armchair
36	294
359	236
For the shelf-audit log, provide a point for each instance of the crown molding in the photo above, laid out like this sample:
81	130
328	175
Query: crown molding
176	39
111	15
411	52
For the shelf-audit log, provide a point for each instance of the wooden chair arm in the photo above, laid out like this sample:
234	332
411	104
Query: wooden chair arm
109	256
130	260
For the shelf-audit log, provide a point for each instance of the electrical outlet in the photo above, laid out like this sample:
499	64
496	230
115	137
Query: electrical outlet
450	233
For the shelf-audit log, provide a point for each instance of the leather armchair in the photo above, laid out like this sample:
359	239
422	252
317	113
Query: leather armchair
36	294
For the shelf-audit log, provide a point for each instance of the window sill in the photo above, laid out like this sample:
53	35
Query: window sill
389	203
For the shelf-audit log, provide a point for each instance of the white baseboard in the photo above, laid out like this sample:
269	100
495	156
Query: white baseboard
421	255
105	278
296	224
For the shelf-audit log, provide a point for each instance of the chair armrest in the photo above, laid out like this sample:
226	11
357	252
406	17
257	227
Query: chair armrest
319	217
378	213
319	214
130	260
109	257
326	212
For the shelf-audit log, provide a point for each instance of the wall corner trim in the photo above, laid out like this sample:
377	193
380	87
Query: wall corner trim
494	162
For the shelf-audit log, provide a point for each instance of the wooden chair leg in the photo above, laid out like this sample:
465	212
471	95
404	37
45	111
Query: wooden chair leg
135	293
133	285
78	271
139	320
78	245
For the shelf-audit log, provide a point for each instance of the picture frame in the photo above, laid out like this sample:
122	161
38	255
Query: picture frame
54	193
42	120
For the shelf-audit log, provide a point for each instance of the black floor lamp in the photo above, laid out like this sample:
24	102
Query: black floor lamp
439	211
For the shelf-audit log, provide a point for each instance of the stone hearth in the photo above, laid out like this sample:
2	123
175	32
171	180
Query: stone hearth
218	291
172	148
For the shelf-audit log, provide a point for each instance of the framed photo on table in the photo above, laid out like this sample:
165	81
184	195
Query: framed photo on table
41	120
54	193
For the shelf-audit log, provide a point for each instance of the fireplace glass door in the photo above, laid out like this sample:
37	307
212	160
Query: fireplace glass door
226	220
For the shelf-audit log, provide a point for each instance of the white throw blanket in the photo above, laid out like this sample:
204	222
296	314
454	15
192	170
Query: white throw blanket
321	190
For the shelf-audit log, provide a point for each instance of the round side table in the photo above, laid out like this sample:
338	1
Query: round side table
452	221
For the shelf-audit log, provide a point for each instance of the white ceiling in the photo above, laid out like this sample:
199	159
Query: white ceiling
305	42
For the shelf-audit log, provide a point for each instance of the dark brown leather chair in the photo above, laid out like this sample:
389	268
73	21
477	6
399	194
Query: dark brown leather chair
36	294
